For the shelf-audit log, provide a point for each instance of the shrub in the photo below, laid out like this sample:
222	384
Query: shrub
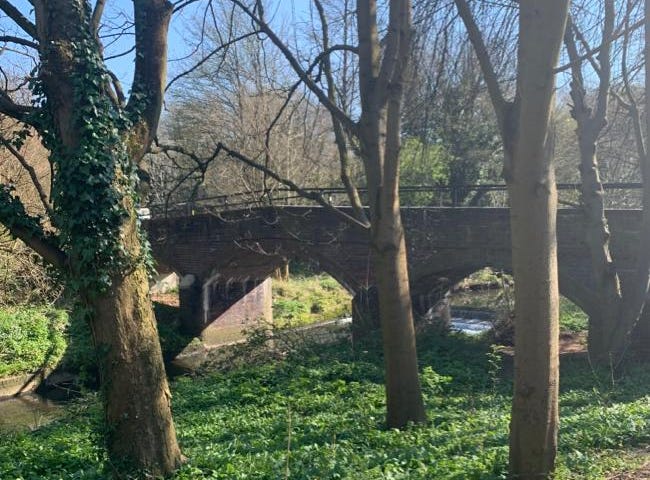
31	339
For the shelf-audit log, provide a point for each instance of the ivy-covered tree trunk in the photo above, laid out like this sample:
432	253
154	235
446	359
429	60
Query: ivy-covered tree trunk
134	384
96	141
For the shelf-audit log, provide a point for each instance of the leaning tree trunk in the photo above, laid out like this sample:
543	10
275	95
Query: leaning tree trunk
134	384
602	320
403	393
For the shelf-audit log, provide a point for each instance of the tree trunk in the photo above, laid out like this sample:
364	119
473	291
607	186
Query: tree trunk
93	155
602	323
590	122
403	393
134	384
640	344
533	207
534	423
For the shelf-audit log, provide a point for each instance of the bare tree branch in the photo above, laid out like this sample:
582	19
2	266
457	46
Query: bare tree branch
221	47
14	110
117	86
32	175
340	137
18	40
23	22
97	15
591	52
44	245
295	64
314	196
310	195
28	228
475	37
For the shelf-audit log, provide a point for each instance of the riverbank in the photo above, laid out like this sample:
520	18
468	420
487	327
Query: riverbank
318	413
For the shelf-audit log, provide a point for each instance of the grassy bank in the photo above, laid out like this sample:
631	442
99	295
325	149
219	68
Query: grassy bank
301	300
319	415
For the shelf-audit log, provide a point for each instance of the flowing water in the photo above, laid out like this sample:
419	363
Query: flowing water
470	326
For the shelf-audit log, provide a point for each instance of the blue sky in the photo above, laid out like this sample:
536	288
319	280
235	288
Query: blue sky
178	33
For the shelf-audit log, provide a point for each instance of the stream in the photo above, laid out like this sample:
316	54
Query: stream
27	412
32	411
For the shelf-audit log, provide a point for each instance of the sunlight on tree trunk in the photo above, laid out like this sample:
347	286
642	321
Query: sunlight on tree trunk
525	125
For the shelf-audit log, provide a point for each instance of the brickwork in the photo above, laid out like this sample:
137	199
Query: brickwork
444	246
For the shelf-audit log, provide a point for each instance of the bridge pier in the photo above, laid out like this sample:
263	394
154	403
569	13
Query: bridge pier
218	311
192	313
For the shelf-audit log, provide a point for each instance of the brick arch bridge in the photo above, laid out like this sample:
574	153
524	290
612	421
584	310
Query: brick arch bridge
224	260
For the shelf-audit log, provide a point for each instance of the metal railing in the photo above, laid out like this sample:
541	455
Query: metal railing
617	195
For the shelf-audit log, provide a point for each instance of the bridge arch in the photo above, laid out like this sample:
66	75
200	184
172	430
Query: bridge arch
443	243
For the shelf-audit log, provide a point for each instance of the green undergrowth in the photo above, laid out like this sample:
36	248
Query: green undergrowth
572	318
319	414
302	300
42	338
31	339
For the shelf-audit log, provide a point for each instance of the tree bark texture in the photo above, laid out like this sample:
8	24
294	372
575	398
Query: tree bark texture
527	137
533	207
403	391
136	394
381	82
137	400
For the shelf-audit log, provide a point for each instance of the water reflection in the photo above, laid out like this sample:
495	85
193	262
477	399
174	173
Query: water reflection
27	412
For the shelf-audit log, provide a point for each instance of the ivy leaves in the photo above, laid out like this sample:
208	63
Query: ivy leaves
13	213
94	180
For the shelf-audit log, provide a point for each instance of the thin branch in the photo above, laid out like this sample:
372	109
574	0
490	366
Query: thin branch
605	74
23	22
18	40
295	64
585	44
310	195
631	103
475	37
182	4
340	137
314	196
221	47
121	54
590	53
32	175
